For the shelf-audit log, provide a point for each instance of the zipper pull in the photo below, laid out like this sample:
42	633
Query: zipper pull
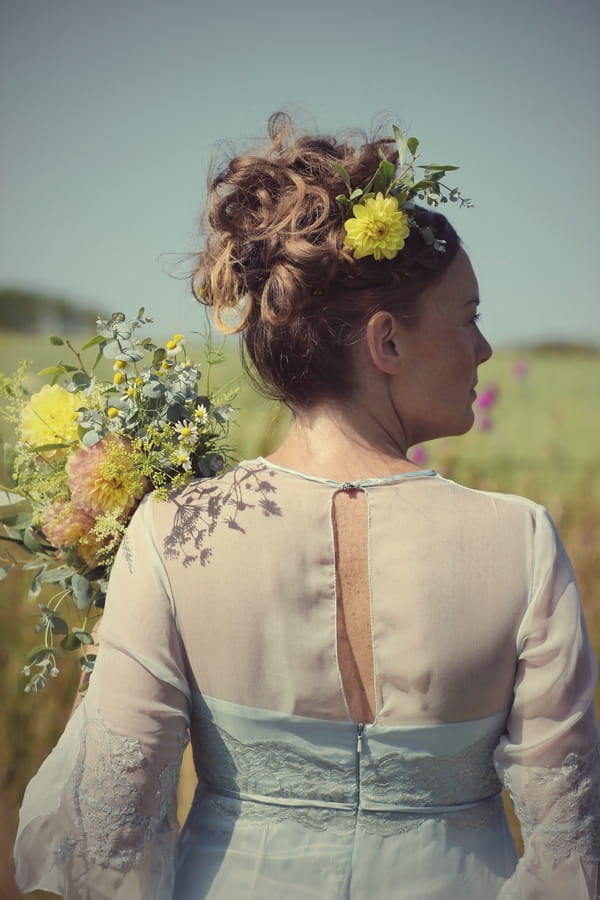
359	737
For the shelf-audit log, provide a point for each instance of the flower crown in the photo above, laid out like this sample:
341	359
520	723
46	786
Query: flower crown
379	216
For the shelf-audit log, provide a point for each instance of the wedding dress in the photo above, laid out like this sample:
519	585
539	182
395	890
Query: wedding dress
221	625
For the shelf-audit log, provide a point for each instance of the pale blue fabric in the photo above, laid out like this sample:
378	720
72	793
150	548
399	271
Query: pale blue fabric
300	808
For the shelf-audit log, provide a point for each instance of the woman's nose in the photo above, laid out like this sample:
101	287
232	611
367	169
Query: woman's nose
484	350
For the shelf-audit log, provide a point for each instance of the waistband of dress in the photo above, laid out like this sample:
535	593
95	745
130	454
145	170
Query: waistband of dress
363	805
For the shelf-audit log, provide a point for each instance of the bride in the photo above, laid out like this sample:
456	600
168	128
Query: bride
362	652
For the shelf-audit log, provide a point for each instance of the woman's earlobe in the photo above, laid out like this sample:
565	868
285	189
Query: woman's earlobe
384	342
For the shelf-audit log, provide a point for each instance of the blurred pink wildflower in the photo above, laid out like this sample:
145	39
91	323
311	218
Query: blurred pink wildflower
488	396
418	455
484	423
520	369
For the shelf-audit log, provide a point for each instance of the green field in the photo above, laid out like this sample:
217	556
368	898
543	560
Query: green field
544	443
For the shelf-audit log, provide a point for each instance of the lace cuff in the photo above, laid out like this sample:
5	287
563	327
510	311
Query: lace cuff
106	825
559	808
559	813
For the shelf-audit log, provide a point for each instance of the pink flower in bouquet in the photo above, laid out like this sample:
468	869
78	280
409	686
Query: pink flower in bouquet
105	479
64	524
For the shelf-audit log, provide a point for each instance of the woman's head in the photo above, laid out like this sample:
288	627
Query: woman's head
276	258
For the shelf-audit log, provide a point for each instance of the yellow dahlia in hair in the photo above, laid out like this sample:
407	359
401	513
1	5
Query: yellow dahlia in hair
378	228
50	418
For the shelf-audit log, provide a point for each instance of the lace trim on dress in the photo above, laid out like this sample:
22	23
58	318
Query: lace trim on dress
407	777
559	808
273	781
110	829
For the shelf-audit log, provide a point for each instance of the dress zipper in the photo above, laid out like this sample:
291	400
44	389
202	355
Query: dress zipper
359	737
359	740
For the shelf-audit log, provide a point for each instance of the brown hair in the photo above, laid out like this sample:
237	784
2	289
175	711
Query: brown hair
274	255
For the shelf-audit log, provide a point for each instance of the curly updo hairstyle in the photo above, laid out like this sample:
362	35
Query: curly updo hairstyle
274	258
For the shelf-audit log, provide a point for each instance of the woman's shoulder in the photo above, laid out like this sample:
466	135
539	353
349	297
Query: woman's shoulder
487	496
496	503
204	493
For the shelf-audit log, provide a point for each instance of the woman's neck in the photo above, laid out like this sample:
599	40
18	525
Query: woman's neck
344	445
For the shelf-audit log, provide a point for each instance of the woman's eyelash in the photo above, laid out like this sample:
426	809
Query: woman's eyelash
476	317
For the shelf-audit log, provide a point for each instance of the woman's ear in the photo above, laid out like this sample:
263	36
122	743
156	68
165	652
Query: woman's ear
384	340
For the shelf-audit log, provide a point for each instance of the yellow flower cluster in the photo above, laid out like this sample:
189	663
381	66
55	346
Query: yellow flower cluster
378	228
50	417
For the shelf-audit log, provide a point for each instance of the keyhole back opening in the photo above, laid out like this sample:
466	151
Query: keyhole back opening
350	516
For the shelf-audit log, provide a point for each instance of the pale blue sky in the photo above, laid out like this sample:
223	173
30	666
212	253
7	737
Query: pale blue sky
110	111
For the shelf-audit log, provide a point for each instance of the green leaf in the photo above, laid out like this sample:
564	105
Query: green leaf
58	624
98	359
35	588
87	662
13	535
401	145
81	380
38	654
83	636
93	342
82	591
91	437
56	340
412	144
420	186
70	642
158	356
342	173
61	369
8	498
53	370
42	447
55	576
436	168
383	176
31	542
356	193
18	521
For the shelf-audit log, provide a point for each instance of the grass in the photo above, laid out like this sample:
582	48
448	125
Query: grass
544	444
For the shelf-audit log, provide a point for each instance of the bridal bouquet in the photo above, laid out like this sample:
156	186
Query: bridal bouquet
86	452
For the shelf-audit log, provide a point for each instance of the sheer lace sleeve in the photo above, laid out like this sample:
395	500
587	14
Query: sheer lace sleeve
548	759
98	819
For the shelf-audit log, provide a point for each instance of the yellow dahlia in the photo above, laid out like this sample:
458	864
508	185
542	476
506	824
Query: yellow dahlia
50	418
106	478
378	228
